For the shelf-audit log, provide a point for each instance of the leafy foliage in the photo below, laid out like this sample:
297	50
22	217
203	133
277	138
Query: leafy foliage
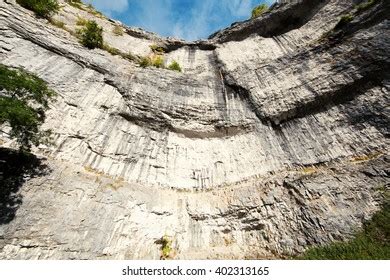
23	101
175	66
158	61
81	21
155	61
259	10
111	50
166	247
42	8
145	62
373	242
157	49
91	36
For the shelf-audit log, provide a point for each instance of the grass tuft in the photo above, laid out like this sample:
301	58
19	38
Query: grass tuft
117	30
259	10
166	247
175	66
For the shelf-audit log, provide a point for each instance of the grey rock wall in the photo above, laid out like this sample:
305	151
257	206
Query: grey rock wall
273	138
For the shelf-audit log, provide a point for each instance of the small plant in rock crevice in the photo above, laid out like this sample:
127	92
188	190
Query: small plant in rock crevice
117	30
157	49
81	21
91	36
166	247
259	10
152	61
175	66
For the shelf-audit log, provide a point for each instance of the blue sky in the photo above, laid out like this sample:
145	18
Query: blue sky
186	19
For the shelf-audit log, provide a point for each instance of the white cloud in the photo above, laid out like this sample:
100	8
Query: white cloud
206	13
239	7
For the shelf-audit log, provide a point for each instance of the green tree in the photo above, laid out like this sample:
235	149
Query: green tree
91	36
23	101
42	8
259	10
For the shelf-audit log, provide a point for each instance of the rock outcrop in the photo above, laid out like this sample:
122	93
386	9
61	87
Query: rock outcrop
272	139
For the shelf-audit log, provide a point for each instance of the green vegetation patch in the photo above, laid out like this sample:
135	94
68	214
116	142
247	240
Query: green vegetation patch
166	247
158	61
23	101
154	61
42	8
372	243
111	50
91	35
259	10
157	49
57	23
174	66
81	21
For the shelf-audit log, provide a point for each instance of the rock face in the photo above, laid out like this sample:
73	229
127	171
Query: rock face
272	139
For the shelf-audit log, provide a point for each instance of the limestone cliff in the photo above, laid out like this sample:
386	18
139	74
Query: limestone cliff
272	139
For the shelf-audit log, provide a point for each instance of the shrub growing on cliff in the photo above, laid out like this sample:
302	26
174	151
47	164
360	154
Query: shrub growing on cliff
155	61
175	66
259	10
91	36
157	49
166	248
42	8
23	100
81	21
145	62
158	61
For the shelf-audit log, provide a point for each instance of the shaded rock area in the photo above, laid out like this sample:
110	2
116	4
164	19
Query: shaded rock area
15	169
273	138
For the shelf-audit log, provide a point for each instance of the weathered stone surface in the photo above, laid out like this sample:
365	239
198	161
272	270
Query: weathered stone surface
218	157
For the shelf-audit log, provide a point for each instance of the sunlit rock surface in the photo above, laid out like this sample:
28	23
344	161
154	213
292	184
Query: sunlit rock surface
273	138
